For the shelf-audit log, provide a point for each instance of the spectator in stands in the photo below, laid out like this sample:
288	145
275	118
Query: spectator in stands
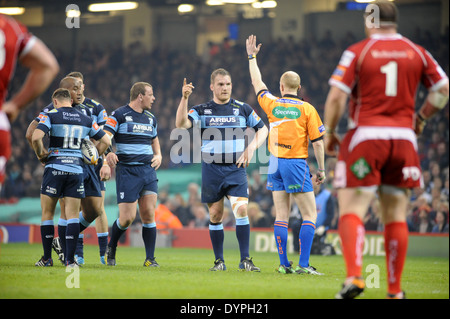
256	216
441	225
201	219
181	210
424	224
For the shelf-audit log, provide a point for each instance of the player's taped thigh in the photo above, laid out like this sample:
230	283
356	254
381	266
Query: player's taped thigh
393	190
237	202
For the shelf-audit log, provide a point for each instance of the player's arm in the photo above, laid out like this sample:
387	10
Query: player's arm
258	140
110	157
157	157
255	73
103	144
38	145
43	67
334	109
30	130
319	153
182	120
435	101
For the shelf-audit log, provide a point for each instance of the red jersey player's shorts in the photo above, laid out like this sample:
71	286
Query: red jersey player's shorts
371	156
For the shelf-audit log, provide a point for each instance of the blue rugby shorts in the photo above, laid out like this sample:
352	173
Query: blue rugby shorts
289	174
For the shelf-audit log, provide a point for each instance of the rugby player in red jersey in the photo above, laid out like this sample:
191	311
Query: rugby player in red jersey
17	44
380	75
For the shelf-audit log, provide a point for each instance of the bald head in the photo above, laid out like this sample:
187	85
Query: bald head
290	82
74	86
68	82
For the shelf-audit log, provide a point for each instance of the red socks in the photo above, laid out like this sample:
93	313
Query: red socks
351	230
396	246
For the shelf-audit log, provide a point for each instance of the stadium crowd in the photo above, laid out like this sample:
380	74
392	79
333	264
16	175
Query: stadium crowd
109	71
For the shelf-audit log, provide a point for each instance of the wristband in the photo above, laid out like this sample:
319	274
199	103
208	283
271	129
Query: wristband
321	170
251	56
420	117
329	130
108	150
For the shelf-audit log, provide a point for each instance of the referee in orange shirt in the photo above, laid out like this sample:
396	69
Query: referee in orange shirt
293	123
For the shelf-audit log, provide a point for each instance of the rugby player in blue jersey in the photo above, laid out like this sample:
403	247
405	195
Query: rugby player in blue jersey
63	174
92	203
137	157
103	172
223	122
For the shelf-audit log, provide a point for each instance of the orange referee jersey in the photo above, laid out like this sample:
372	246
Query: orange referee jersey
293	123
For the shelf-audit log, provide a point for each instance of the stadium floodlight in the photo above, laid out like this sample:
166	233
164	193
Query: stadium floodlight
185	8
214	2
265	4
12	11
112	6
73	13
239	1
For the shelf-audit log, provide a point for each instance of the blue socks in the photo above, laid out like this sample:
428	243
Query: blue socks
116	233
47	234
62	226
102	242
72	232
149	237
243	236
305	239
280	231
217	236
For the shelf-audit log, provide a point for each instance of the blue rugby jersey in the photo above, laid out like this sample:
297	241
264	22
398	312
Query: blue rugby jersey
80	107
98	112
133	133
222	129
66	127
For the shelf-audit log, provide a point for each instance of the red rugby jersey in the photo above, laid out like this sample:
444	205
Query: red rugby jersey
382	74
15	41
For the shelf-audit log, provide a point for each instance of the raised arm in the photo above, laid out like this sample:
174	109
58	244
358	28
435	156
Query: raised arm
255	73
182	120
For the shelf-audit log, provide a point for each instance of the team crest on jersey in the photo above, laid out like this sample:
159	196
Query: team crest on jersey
236	112
360	168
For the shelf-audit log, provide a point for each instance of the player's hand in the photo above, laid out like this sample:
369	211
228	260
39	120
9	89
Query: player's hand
156	161
246	157
11	110
105	172
331	143
252	48
43	157
419	126
187	89
320	177
112	159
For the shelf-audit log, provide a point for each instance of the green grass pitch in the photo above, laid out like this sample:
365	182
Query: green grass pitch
184	275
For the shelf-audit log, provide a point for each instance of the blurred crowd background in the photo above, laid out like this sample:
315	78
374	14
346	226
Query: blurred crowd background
110	71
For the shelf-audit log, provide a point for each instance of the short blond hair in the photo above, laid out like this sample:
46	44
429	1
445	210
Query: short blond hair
138	88
217	72
290	80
